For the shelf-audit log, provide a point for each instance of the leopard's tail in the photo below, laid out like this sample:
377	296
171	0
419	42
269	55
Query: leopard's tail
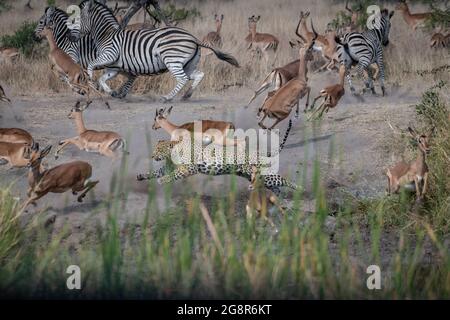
288	130
269	154
290	184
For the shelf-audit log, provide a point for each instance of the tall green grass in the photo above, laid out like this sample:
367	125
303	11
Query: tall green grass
177	253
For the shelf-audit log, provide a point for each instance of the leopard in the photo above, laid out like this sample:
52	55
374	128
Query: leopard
212	160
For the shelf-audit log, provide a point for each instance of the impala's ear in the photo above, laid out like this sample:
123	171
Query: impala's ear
259	17
391	14
412	132
46	151
35	147
432	131
77	105
88	103
221	17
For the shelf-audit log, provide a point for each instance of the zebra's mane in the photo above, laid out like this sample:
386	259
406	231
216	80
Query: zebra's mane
57	11
104	9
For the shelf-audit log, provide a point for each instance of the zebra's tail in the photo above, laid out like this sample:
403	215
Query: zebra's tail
219	54
344	45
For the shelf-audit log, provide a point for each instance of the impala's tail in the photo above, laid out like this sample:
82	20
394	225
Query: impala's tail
119	143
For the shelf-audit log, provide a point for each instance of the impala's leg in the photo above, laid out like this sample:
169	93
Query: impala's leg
64	143
324	109
32	199
109	153
332	65
260	123
99	94
308	91
380	64
425	183
314	102
264	86
88	186
325	65
107	75
416	182
266	57
125	88
275	201
388	185
276	122
176	69
318	110
182	171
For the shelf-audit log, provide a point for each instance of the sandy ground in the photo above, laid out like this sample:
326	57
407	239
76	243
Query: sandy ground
355	130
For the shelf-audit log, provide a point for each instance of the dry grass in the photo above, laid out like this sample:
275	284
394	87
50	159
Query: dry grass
407	55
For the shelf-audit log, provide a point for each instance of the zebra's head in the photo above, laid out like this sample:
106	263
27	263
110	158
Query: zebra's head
92	13
43	21
385	25
54	16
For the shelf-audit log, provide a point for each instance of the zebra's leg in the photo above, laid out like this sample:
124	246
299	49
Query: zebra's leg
380	64
107	75
126	87
176	69
349	79
369	82
191	71
104	59
362	69
197	76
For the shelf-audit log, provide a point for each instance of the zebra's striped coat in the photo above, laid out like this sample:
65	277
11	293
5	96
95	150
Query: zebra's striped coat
367	48
82	51
143	52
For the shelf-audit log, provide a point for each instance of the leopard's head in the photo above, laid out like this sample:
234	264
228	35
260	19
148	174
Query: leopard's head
163	149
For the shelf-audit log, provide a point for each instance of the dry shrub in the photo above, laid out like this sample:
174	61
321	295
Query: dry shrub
24	77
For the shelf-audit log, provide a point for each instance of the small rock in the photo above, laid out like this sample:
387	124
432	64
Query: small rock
330	225
50	220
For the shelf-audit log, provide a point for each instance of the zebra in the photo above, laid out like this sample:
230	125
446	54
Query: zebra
366	48
82	51
143	52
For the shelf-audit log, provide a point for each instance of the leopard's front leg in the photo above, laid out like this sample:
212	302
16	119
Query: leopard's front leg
151	175
182	171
